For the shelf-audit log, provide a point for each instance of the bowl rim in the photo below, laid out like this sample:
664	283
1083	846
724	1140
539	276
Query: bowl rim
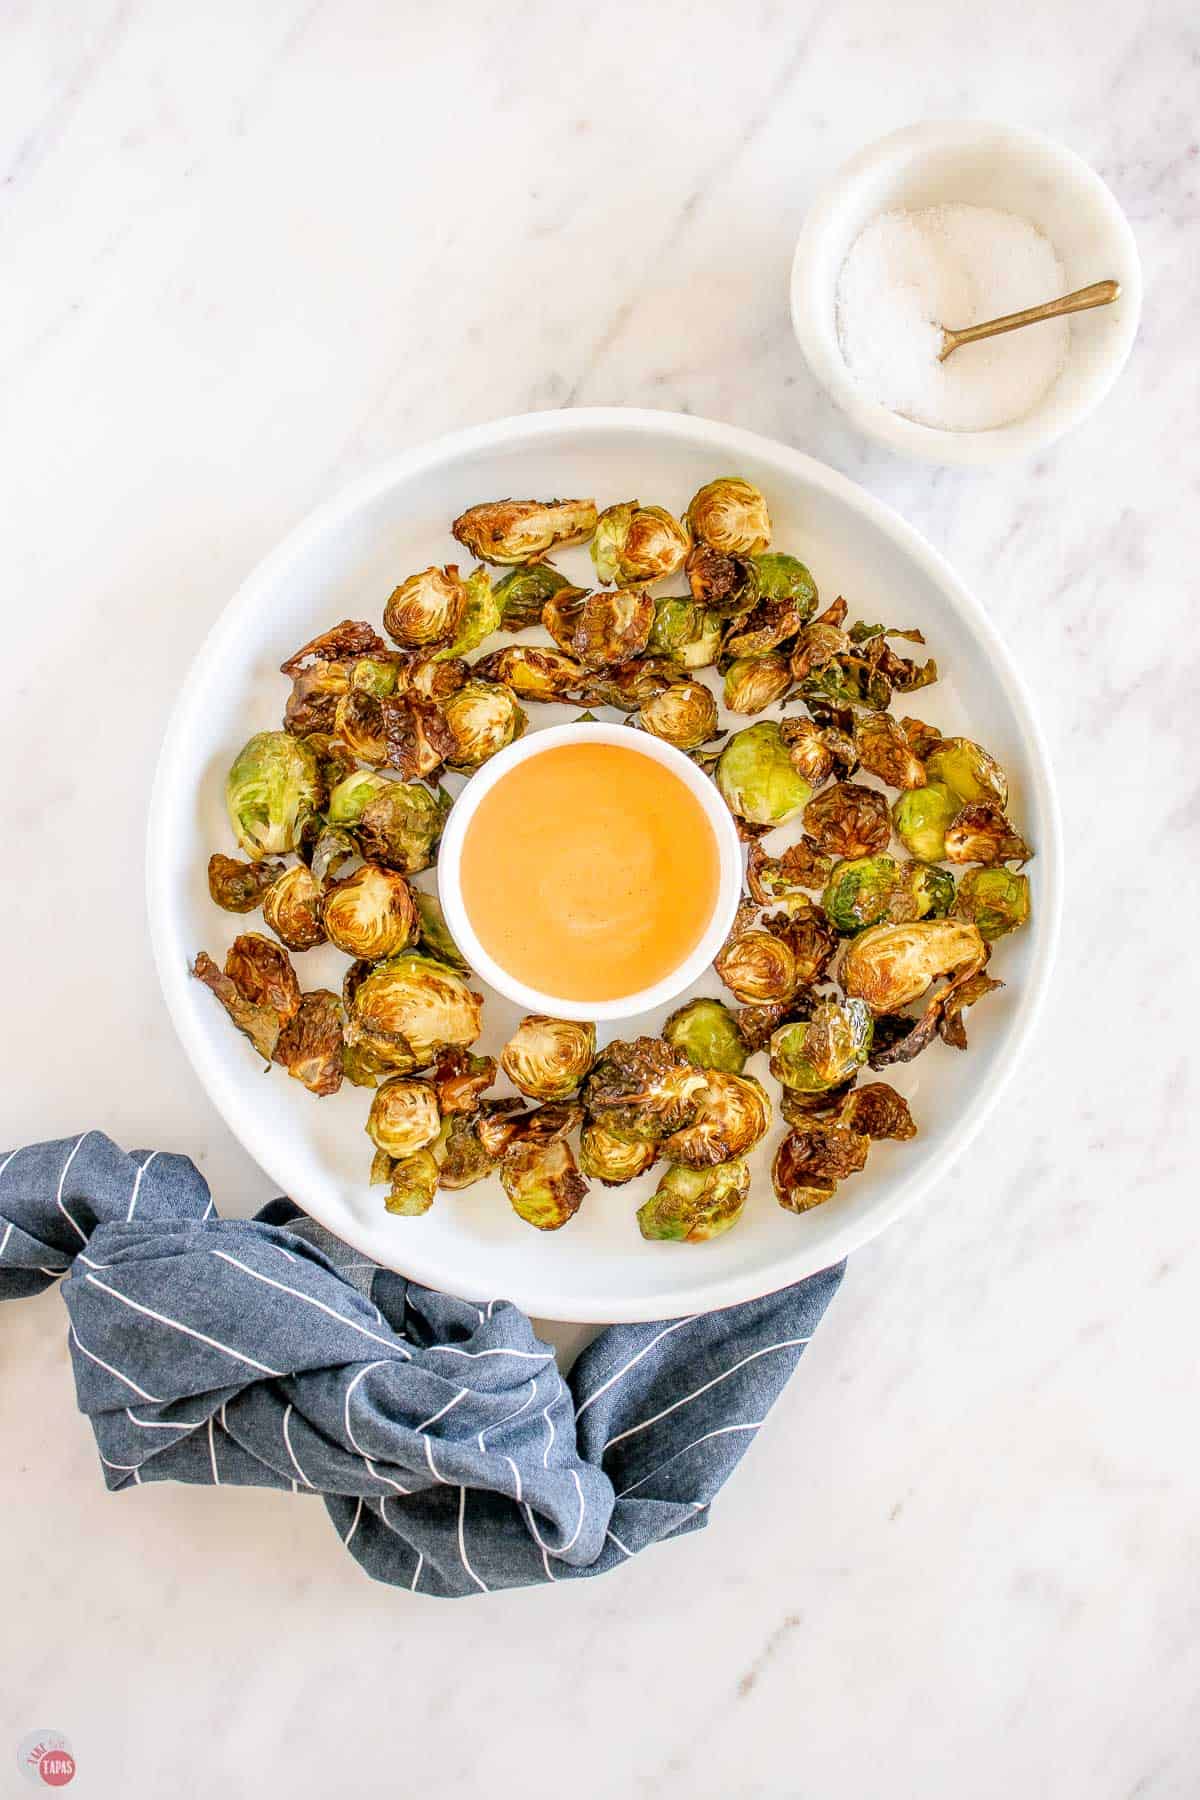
536	743
229	1094
1002	443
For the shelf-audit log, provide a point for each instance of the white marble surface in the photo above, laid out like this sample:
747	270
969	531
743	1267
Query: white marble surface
245	253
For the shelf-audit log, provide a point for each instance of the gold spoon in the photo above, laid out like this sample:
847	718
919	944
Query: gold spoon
1101	293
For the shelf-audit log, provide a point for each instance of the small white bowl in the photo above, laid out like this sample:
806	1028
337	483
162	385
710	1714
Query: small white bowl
729	881
967	162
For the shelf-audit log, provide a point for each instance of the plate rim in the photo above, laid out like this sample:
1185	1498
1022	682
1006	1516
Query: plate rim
699	1295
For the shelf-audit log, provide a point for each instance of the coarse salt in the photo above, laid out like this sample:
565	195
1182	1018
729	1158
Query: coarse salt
908	274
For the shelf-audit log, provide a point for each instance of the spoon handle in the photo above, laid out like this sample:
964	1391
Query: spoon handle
1100	293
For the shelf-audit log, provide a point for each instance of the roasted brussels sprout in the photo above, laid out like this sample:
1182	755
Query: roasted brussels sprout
614	1160
921	818
784	577
433	933
400	825
752	683
543	1183
689	634
824	1051
770	626
548	1058
259	1022
734	1114
684	715
808	749
522	531
410	1006
631	684
310	1045
848	820
981	834
481	618
812	1159
404	1116
644	1089
483	717
370	913
693	1205
730	514
352	795
783	878
884	750
637	543
968	771
465	1161
820	640
523	592
533	673
757	966
271	789
312	704
359	723
430	674
921	892
877	1111
379	675
427	608
239	886
460	1080
890	966
995	900
417	736
413	1181
757	778
707	1033
809	936
859	892
601	629
922	738
292	908
724	584
263	974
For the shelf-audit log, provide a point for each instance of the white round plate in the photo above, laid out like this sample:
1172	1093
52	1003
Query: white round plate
342	563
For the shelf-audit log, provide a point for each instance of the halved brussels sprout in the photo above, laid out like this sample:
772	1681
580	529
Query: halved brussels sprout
522	531
689	634
239	887
292	908
429	674
877	1111
812	1159
614	1160
644	1089
417	737
631	684
483	717
603	628
859	892
263	974
353	794
358	722
413	1181
848	820
757	966
370	913
400	826
757	778
889	966
637	543
727	585
692	1205
734	1114
884	750
809	750
410	1006
730	514
310	1045
784	577
981	834
434	933
427	608
921	818
785	877
259	1022
548	1058
995	900
271	789
752	683
968	771
481	618
460	1080
404	1116
346	641
816	1054
543	1183
523	592
684	715
533	673
921	892
312	704
707	1033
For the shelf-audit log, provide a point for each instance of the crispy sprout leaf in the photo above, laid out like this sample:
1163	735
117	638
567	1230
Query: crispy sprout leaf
260	1023
263	974
786	876
311	1043
980	833
239	887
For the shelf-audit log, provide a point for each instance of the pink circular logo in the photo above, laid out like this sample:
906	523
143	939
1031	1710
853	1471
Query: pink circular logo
45	1758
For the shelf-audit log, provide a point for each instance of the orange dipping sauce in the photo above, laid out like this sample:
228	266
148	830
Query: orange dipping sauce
589	872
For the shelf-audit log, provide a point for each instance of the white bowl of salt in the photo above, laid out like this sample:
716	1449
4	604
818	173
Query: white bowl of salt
949	224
